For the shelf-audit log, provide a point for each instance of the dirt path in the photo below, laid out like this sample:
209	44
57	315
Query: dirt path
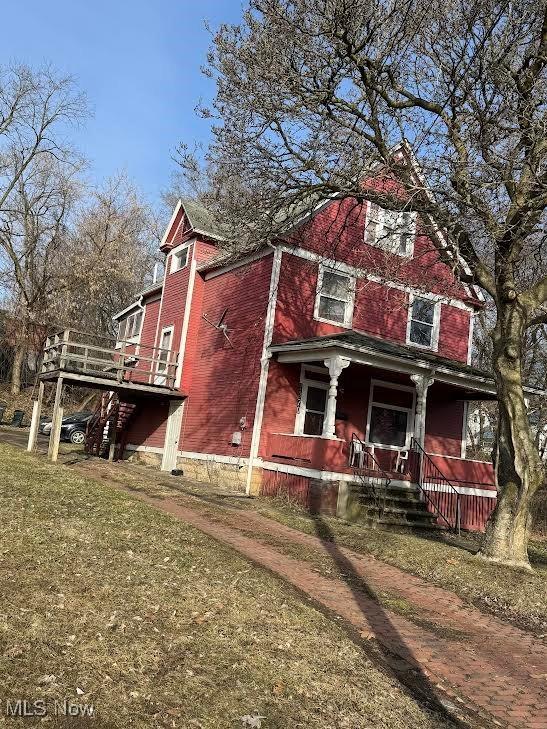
427	636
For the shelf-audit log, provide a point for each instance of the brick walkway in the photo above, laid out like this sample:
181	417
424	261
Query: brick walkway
448	648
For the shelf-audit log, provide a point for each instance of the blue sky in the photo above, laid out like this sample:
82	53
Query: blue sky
139	64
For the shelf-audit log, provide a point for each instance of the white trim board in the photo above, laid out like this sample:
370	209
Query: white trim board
264	365
186	319
463	490
170	223
144	448
214	458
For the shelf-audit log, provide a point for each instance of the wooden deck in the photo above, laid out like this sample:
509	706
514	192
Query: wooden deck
102	363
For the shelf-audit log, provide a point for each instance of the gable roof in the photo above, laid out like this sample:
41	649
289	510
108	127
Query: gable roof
201	219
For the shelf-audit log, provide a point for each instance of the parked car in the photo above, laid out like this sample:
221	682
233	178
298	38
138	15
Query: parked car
73	427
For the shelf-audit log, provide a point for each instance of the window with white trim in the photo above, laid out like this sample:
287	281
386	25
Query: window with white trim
129	328
391	230
334	298
423	322
390	415
313	401
163	355
179	259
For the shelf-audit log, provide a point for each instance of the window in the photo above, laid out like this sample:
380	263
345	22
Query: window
129	329
391	230
423	322
179	259
390	415
334	300
313	401
163	355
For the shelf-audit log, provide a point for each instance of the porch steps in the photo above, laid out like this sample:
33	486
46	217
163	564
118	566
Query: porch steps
403	510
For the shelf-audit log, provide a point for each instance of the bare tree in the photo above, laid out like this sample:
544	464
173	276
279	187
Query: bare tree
33	239
37	189
112	251
313	95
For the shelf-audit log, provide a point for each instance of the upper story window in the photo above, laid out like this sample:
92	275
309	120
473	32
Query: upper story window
334	299
179	259
423	322
391	230
129	328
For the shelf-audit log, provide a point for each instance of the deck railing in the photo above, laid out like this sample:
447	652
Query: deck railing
103	357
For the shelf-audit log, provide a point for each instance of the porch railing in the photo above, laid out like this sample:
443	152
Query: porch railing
436	489
365	466
104	357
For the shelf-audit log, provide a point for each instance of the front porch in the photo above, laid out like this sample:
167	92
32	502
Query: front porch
405	415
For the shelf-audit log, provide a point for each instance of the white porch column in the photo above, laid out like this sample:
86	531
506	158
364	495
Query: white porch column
335	365
422	383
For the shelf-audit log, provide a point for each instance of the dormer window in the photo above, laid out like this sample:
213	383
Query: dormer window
423	323
179	259
334	298
391	230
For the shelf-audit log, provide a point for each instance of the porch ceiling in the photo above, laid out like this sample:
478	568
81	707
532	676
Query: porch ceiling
474	384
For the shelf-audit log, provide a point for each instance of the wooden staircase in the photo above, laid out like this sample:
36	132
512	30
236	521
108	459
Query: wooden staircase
107	429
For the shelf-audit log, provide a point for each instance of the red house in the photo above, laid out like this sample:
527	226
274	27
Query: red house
322	368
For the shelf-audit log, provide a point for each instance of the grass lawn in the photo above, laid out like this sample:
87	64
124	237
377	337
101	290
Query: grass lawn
109	602
514	595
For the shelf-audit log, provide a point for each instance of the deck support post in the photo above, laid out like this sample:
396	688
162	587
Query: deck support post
422	383
35	421
55	434
335	365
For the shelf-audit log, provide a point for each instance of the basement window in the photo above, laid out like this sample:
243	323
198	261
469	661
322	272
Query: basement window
334	298
391	230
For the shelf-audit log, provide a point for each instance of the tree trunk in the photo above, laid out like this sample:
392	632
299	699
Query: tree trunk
18	359
519	471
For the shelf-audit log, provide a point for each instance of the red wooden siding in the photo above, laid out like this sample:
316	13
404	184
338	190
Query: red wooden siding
316	497
444	421
147	428
151	312
378	310
225	376
337	231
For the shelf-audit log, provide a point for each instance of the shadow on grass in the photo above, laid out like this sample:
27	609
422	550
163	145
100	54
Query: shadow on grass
397	656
